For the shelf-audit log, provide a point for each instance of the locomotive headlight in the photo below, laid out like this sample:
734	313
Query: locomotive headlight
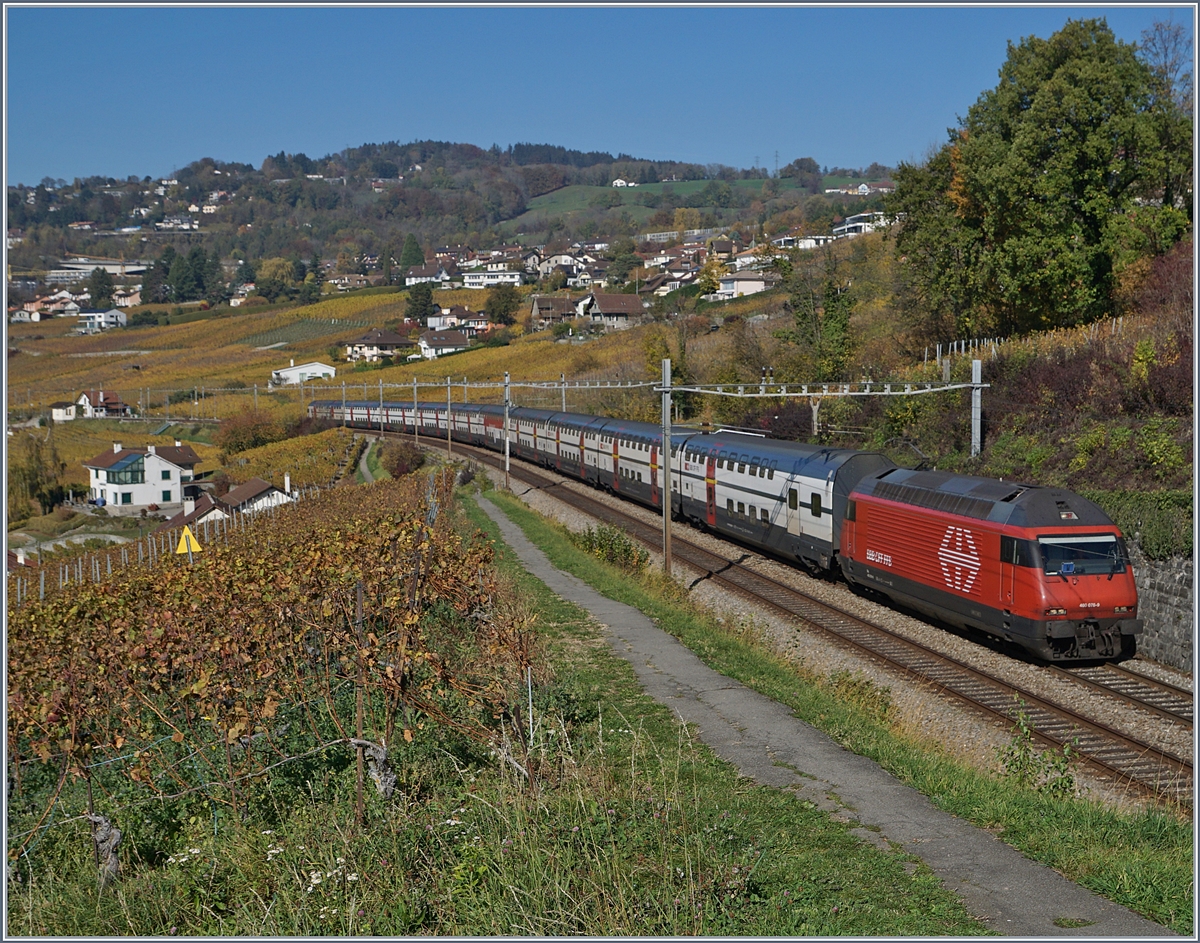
1056	612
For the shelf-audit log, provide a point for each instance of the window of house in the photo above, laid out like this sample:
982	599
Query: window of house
166	475
166	496
127	497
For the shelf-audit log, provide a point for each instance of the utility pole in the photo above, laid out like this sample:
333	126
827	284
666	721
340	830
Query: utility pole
506	458
976	406
449	439
343	404
666	464
381	407
563	378
416	431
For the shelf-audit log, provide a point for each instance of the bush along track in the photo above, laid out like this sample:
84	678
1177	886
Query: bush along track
354	721
1140	860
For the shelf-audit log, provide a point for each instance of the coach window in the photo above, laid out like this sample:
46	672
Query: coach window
729	506
816	505
753	512
741	509
766	518
792	500
741	467
771	471
754	468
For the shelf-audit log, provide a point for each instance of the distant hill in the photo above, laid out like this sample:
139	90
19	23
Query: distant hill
364	198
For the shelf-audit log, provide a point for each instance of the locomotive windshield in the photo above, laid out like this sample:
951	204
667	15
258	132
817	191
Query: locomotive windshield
1102	553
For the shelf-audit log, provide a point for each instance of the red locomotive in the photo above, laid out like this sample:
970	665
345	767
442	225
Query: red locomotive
1041	567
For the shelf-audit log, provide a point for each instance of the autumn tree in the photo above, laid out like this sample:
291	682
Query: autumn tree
709	279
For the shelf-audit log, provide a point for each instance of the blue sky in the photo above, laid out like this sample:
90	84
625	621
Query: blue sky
144	90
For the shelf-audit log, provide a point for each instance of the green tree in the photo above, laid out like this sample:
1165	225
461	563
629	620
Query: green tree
420	302
100	287
1041	193
822	301
412	253
503	302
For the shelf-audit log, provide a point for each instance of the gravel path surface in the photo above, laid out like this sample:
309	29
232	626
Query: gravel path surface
923	713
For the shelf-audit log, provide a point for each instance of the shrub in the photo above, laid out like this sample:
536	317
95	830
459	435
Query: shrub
612	545
400	458
248	430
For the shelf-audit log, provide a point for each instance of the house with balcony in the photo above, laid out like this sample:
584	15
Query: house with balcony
137	478
378	343
96	404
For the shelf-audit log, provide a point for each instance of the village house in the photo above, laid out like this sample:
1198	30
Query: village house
437	273
293	375
548	310
378	343
436	344
349	281
62	411
95	320
133	478
615	312
96	404
258	495
738	284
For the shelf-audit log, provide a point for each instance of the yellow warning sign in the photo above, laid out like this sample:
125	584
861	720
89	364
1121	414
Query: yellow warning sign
188	541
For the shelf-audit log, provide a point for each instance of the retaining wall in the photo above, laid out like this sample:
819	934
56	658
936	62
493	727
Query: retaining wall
1165	594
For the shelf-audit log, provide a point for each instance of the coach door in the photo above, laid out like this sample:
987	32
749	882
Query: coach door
654	474
582	455
793	507
616	463
710	489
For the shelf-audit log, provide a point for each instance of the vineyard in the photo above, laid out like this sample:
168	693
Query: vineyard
168	687
309	460
303	329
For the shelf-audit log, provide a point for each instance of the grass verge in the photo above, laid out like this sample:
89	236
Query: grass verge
1141	860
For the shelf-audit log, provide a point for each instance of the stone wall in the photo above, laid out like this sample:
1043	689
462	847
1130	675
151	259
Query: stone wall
1165	594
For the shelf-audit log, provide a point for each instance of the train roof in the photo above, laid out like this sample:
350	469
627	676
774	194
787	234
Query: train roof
1001	502
818	461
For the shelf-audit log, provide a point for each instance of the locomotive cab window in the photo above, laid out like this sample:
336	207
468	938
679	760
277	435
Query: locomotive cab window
816	505
1083	555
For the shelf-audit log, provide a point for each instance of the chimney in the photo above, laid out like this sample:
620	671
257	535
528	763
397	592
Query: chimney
189	505
116	446
151	449
178	444
287	484
21	556
293	362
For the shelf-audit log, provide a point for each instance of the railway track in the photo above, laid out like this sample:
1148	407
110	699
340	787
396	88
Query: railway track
1112	754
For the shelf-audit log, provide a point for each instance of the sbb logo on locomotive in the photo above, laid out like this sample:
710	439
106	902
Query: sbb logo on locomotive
959	558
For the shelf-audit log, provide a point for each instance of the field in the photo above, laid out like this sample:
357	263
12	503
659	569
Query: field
577	198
